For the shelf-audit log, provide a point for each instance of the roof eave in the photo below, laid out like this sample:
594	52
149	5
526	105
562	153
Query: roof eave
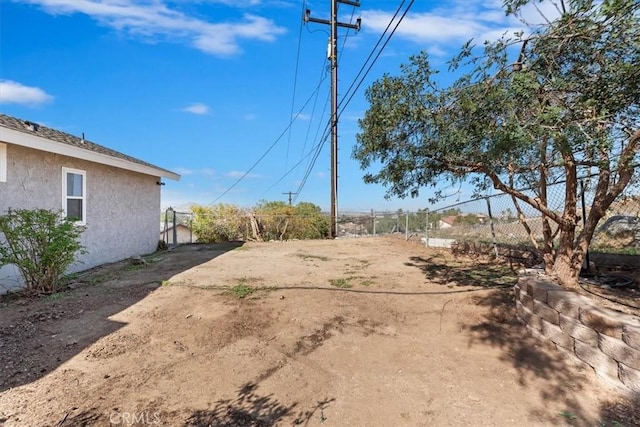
15	137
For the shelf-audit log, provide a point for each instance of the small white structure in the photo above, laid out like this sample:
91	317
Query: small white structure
182	235
447	221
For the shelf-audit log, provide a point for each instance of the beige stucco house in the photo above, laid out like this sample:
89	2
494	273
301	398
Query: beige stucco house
115	196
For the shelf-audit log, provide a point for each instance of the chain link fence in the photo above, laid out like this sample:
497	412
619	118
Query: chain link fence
176	228
492	223
497	220
411	225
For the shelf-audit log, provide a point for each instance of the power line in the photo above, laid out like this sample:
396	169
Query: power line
314	159
270	147
295	83
345	103
375	47
313	110
362	68
316	150
294	167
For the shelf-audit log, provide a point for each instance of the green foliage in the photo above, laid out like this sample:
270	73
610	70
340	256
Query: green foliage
307	257
42	244
342	283
311	223
522	113
271	220
469	219
218	223
241	291
279	221
274	218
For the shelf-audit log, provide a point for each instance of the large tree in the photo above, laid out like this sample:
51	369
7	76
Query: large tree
556	103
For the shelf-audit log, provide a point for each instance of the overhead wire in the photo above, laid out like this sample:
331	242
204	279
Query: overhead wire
375	47
353	9
312	163
344	104
318	146
294	167
295	81
313	110
357	86
244	175
325	136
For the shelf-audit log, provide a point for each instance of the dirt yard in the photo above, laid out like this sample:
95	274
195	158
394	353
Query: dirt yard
375	332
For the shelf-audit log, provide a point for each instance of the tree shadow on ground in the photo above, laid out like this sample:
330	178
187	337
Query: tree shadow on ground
534	359
476	272
253	410
37	335
531	358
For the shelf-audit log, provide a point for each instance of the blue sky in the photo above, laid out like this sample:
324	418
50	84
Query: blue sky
206	87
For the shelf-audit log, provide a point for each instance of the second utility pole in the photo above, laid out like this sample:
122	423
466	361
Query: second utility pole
333	58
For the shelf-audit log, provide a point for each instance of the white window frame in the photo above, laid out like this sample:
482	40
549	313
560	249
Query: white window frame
3	162
66	171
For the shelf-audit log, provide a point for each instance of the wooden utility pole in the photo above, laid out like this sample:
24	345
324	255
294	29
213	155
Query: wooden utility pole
290	193
333	58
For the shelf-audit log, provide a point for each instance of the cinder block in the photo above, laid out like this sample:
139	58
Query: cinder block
631	336
519	310
527	301
567	303
557	335
604	321
620	351
630	377
578	331
600	362
532	320
536	333
538	287
546	312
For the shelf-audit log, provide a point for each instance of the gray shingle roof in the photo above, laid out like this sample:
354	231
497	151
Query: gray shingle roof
35	129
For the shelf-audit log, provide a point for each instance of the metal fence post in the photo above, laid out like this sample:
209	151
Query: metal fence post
175	229
406	226
426	228
493	230
373	218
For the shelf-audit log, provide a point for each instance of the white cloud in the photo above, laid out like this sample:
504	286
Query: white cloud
456	22
423	27
153	19
16	93
197	108
184	171
249	116
239	174
207	172
301	117
187	171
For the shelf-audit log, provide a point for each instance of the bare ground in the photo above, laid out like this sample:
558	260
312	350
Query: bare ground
347	332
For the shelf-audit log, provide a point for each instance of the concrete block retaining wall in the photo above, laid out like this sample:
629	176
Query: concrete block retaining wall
606	340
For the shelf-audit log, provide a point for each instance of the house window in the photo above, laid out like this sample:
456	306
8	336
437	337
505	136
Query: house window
3	162
74	194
